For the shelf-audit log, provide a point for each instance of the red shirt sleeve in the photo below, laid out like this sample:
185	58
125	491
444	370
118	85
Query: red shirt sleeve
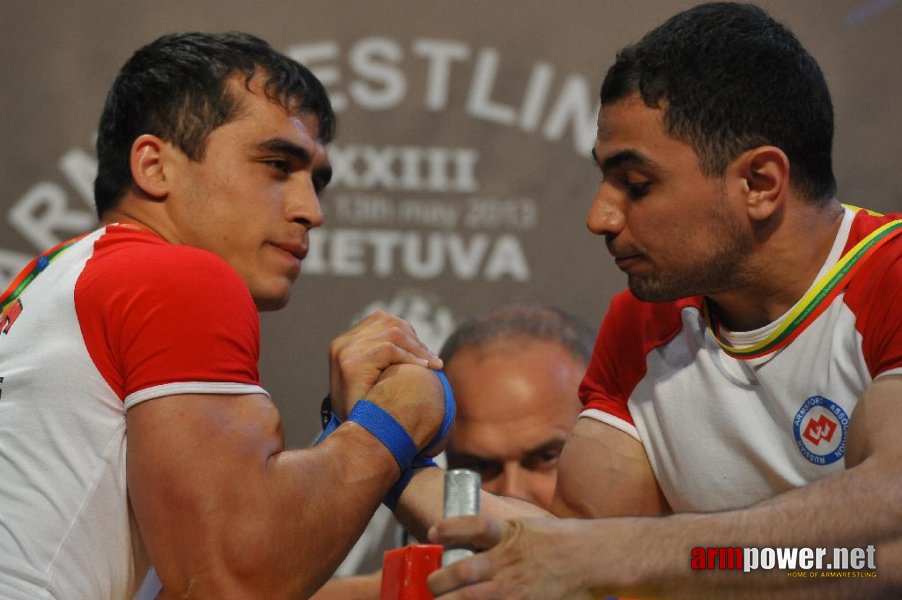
630	331
600	388
154	313
875	296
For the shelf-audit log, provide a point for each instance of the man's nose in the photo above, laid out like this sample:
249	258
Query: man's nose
512	483
606	215
302	204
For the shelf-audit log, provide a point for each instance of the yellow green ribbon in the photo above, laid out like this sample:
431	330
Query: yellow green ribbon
816	299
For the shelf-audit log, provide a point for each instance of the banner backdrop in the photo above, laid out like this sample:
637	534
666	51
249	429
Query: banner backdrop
462	166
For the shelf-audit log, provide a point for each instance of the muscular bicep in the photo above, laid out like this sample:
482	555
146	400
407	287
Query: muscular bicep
226	513
196	463
604	472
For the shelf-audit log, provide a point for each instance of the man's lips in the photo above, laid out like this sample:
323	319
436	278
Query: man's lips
622	253
624	259
299	251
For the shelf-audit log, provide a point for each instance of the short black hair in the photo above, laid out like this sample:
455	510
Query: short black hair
513	323
176	88
730	78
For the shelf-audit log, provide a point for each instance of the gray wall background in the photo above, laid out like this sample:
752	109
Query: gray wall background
463	149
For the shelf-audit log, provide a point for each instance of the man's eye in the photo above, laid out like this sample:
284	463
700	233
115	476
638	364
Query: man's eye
636	190
544	461
281	165
487	470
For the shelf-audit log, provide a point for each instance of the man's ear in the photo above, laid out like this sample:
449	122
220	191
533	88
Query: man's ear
764	174
148	163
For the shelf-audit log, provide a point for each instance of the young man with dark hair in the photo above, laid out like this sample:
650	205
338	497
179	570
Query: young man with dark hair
133	426
749	378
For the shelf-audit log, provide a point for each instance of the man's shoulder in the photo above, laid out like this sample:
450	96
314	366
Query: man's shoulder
867	224
133	261
882	264
140	249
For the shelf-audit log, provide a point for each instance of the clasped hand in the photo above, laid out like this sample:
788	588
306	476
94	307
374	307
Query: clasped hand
382	359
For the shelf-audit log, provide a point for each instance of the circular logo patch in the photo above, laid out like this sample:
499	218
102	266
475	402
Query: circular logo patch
820	429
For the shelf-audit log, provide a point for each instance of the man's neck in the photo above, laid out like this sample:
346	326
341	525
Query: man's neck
783	269
127	212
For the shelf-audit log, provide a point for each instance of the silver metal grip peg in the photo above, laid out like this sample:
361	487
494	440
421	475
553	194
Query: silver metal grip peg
461	500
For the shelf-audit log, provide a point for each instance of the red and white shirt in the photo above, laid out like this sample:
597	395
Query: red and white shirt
119	318
724	432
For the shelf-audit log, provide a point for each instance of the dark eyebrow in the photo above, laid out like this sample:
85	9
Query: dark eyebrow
456	458
624	157
550	445
554	444
322	175
283	146
467	456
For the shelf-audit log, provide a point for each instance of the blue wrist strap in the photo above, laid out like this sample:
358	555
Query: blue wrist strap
450	409
386	429
394	493
421	460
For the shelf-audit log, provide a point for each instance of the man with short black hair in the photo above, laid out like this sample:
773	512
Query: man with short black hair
133	426
750	377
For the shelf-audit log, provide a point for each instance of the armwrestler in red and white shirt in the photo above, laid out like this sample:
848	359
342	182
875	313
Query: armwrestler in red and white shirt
109	324
775	427
133	427
725	432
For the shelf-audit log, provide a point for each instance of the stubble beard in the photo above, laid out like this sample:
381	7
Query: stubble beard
724	269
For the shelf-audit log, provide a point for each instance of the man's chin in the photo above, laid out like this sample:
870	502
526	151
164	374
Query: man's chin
272	302
652	291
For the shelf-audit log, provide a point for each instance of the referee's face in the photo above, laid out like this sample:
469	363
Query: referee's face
516	403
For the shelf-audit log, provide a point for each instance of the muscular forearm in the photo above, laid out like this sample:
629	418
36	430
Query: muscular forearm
854	509
352	471
226	513
278	526
651	557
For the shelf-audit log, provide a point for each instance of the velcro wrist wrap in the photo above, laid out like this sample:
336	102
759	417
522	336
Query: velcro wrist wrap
394	493
422	460
386	429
